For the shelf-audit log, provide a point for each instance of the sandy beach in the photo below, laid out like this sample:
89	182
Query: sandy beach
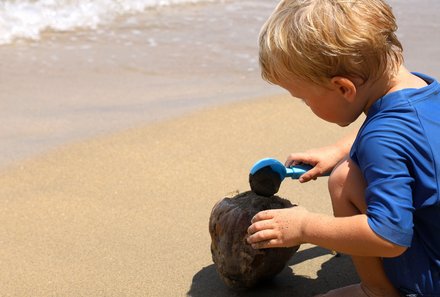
116	143
127	215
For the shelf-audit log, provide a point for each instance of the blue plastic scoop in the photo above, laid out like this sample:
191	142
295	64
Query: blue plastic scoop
267	174
294	172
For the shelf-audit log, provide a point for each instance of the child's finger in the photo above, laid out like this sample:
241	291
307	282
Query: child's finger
259	226
309	175
295	159
262	215
261	236
273	243
306	177
299	158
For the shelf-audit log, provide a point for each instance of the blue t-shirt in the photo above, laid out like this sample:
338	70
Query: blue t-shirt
398	152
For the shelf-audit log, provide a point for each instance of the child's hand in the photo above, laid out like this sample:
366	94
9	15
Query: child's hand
322	159
277	228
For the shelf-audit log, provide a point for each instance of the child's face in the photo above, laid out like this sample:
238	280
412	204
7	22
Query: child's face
328	103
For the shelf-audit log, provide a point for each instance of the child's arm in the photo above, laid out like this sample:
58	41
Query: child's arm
294	226
323	159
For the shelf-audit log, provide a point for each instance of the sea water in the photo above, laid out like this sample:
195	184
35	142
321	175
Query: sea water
28	18
71	70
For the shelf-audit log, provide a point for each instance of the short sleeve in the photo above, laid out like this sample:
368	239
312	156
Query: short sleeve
382	158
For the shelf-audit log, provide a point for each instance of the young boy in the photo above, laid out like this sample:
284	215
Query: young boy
342	58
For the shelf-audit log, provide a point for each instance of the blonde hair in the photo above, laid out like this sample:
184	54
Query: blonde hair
319	39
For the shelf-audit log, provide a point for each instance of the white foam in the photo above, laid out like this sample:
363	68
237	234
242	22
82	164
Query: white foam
28	18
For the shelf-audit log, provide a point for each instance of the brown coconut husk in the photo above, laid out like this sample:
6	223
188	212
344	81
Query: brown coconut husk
238	264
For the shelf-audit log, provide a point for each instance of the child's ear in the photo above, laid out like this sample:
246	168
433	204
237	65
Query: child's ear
345	87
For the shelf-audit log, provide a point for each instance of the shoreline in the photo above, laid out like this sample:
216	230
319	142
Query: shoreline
148	67
141	68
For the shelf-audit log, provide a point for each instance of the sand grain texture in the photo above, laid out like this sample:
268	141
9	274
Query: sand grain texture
127	214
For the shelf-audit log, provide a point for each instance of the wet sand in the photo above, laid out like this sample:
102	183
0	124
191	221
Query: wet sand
144	68
140	69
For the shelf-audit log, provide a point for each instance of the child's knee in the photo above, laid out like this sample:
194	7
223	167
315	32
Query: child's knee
347	187
338	179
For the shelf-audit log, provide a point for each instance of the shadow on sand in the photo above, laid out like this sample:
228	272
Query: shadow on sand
336	272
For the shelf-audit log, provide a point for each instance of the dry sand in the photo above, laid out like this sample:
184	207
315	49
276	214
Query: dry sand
127	214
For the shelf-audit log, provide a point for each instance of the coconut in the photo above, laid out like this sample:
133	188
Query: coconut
238	264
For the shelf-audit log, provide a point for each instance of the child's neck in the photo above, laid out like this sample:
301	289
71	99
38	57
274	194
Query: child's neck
405	80
381	87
